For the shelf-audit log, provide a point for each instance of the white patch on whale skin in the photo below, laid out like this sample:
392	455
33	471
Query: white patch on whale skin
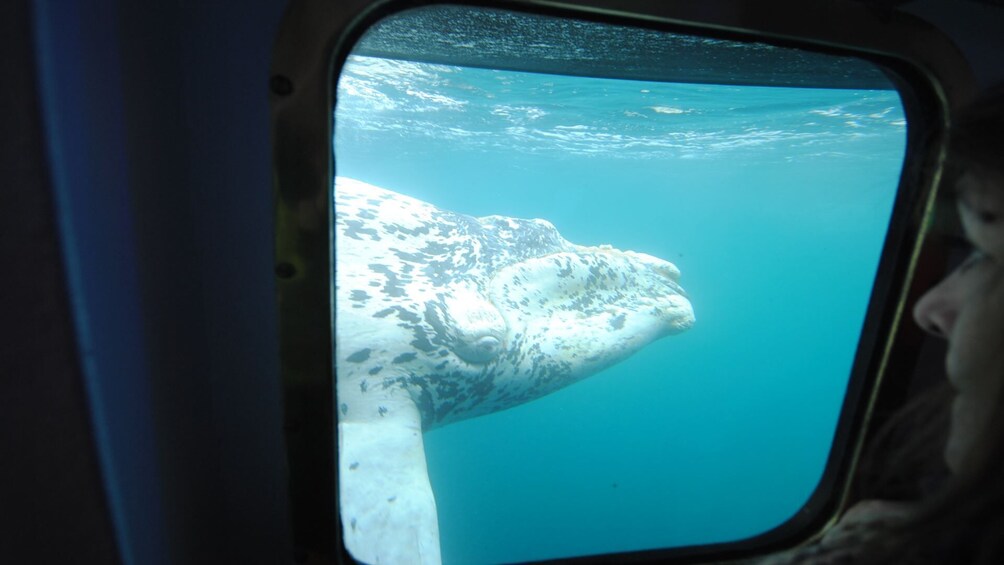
441	317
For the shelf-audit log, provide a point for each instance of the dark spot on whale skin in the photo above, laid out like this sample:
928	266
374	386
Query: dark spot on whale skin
440	273
344	408
444	410
353	524
447	386
392	499
403	314
421	342
355	229
375	370
407	315
483	386
433	318
435	248
382	410
389	382
583	303
359	296
404	357
359	356
422	230
617	322
354	465
426	407
410	257
363	386
393	286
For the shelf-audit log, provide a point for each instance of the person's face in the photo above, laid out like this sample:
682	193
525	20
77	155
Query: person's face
967	309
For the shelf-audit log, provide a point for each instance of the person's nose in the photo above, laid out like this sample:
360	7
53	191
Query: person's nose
936	310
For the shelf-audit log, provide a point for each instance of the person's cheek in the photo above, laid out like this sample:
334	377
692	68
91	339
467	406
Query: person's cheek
976	363
976	342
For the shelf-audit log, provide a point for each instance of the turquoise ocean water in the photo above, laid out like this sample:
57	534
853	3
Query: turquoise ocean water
773	202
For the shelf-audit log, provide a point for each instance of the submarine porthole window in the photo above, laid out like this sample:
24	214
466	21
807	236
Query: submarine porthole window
599	288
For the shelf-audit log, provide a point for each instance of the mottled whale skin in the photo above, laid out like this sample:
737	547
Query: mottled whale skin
441	317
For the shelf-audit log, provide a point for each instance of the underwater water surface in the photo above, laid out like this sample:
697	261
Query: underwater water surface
773	203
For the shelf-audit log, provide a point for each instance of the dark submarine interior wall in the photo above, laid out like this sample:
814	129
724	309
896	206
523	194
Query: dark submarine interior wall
155	119
52	501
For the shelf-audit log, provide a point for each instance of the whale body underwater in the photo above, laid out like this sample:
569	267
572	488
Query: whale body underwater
440	317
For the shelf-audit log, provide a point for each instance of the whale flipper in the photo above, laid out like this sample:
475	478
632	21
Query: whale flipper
387	506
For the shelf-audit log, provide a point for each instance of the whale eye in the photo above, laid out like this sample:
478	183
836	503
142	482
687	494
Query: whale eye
481	350
489	345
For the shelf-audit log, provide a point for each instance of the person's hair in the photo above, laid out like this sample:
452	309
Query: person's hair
974	137
904	459
962	522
